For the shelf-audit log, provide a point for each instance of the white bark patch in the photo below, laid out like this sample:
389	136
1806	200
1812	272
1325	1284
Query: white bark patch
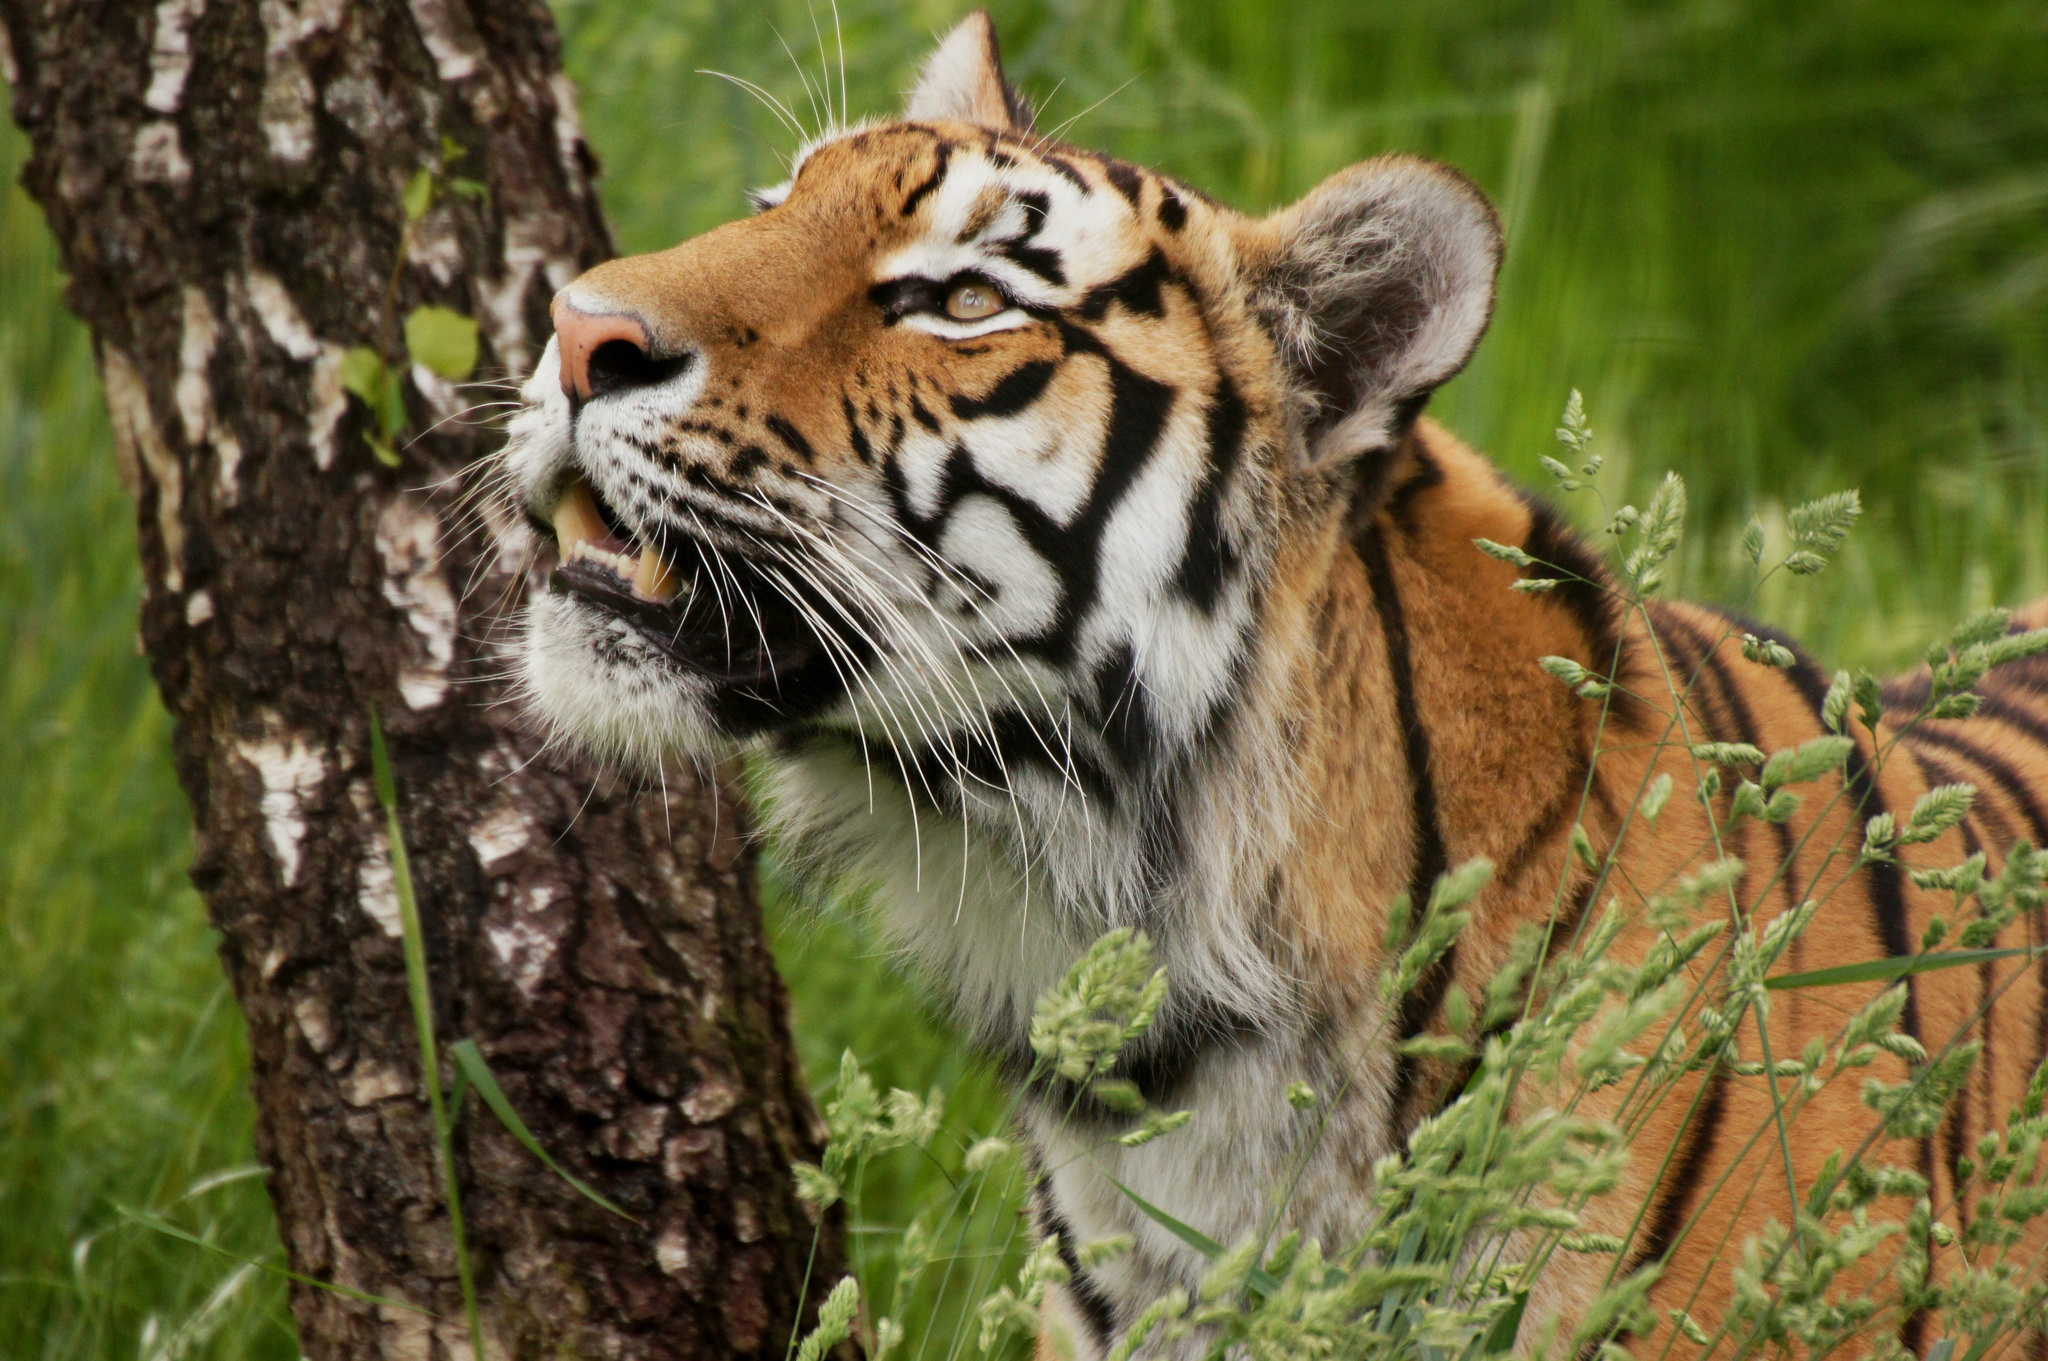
370	1082
198	609
195	348
170	53
316	1023
439	392
376	885
436	248
568	128
195	394
140	449
287	108
450	38
328	400
532	242
526	950
157	157
409	543
7	67
500	834
713	1100
291	771
672	1250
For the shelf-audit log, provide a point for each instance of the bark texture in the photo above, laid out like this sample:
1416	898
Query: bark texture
225	179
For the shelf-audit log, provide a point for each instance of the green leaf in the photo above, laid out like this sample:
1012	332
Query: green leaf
363	372
419	195
469	1062
1896	966
1193	1237
470	189
149	1221
1501	1337
444	341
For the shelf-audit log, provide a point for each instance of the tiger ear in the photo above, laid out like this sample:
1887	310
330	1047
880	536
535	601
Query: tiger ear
963	82
1376	288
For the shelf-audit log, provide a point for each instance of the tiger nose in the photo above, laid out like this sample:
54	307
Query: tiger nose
601	353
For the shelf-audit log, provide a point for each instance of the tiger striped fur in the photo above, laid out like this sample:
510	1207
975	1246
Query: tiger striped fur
1071	553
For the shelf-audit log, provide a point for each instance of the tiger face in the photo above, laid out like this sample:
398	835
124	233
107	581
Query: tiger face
976	451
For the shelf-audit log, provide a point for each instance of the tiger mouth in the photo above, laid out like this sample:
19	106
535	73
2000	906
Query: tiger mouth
737	629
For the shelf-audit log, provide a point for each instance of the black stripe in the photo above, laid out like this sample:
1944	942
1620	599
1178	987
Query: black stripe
1685	1174
1887	895
1019	388
856	436
792	438
1208	558
1746	730
1431	857
1584	579
1096	1311
1173	214
1124	176
943	153
1138	410
1066	169
1138	289
1997	767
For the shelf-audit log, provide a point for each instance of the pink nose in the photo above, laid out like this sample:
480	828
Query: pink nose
582	335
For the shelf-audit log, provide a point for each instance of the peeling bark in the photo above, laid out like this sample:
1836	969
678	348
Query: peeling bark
224	178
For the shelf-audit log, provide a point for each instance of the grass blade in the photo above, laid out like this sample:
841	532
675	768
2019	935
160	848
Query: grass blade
1259	1280
1896	966
423	1019
149	1221
471	1068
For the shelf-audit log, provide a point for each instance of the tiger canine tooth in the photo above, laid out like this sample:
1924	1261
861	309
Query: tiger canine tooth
653	578
576	518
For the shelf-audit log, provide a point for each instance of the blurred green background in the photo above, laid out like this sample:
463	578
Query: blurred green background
1782	247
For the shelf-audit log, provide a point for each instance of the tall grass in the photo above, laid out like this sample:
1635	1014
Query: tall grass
1783	247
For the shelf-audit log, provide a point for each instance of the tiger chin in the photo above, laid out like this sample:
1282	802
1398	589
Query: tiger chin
1070	552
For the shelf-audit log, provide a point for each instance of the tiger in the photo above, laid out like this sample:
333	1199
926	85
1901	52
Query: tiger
1066	551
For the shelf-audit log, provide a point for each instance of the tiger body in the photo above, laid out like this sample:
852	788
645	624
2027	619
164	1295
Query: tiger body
1148	599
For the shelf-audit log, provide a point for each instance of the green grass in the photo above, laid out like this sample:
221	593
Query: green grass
1782	247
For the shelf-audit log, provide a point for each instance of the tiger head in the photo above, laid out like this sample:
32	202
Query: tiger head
990	463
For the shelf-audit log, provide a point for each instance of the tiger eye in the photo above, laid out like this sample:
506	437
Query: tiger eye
972	302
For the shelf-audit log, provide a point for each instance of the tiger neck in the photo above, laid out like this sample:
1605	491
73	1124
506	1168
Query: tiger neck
1433	735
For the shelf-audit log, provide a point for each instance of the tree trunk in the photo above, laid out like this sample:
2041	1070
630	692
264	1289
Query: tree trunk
226	179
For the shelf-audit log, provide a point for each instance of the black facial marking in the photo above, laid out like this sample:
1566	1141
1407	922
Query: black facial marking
1208	559
1066	169
922	416
1122	713
1138	410
1173	214
856	436
943	154
1019	388
791	437
1138	290
1125	178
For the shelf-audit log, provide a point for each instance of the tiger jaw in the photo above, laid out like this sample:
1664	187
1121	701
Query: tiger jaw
604	571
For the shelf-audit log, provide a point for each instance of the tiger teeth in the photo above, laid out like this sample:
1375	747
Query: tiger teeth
586	551
654	579
577	523
578	531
